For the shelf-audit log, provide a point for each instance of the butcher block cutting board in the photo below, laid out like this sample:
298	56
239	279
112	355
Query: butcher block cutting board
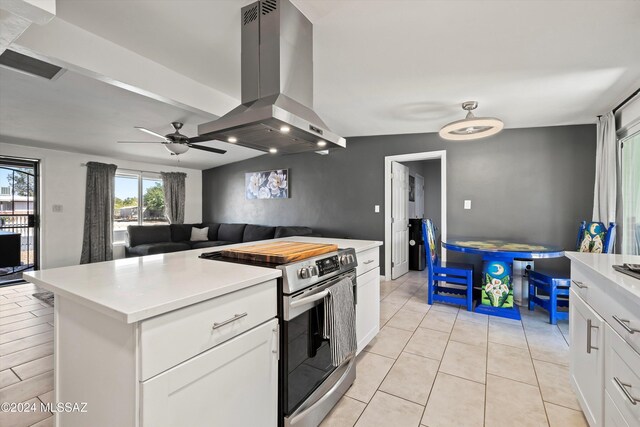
279	252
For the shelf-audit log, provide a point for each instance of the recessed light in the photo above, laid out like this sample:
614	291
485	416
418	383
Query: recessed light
284	129
322	143
232	139
273	150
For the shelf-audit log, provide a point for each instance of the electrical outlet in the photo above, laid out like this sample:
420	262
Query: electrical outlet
376	208
56	208
467	204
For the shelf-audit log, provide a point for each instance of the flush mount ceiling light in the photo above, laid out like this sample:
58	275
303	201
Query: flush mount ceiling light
471	127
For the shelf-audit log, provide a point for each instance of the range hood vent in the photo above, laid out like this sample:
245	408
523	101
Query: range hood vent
28	65
276	113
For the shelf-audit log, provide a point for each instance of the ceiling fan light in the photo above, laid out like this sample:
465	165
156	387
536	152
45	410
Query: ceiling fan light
177	148
471	127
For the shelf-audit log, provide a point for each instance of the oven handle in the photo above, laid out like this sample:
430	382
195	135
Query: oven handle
312	298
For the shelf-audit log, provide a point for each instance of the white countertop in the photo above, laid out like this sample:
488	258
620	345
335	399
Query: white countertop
133	289
628	287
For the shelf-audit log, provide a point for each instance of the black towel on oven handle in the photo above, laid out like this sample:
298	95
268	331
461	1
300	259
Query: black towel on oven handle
340	321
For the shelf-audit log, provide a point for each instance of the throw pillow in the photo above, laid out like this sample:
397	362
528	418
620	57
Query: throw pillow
199	234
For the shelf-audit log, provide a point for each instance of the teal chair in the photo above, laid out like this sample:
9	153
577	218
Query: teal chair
593	237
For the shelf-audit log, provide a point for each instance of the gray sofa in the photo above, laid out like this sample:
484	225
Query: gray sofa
158	239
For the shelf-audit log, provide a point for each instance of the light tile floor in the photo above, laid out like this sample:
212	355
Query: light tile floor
441	366
26	355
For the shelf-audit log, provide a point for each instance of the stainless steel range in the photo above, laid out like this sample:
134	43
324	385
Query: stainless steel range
309	385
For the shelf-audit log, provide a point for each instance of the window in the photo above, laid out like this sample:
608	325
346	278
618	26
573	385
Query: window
139	201
631	195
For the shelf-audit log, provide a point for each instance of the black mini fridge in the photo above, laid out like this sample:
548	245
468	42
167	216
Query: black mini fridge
417	255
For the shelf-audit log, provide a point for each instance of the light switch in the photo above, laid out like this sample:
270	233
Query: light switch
467	204
376	208
56	208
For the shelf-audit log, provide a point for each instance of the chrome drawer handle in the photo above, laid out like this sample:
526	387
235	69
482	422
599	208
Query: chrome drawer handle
580	284
226	322
624	323
589	327
368	262
623	387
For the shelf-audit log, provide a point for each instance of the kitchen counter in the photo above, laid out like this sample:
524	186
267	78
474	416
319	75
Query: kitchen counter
134	289
621	286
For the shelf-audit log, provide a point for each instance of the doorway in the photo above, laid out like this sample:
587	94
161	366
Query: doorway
397	196
19	228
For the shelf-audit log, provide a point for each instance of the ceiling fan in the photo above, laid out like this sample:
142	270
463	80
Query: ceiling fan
176	142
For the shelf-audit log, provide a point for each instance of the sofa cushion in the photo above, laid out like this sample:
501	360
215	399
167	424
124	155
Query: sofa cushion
199	234
253	233
209	244
231	232
180	232
292	231
143	234
157	248
213	229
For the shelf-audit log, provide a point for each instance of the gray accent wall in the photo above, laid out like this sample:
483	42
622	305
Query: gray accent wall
531	185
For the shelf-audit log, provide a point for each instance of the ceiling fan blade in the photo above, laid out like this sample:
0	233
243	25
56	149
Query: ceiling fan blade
141	142
150	132
213	150
202	138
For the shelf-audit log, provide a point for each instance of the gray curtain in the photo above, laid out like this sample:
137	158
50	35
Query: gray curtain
605	188
174	191
97	242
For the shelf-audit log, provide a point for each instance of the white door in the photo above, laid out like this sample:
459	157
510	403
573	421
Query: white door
399	220
419	192
233	384
586	357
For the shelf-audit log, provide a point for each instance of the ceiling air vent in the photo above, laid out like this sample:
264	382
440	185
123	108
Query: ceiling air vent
29	65
269	6
250	15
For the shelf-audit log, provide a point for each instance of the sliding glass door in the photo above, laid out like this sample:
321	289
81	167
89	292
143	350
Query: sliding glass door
18	218
631	195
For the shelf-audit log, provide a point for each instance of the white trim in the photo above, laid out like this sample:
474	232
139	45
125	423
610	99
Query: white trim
412	157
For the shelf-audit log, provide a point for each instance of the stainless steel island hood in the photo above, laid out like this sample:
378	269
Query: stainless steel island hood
276	113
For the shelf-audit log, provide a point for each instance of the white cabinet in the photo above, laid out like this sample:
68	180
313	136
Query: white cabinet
368	296
587	357
368	307
604	324
213	363
233	384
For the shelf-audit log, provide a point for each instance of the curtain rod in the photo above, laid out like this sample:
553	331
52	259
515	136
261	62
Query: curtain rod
629	98
128	170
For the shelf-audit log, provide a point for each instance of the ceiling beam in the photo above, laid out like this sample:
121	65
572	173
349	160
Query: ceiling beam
81	51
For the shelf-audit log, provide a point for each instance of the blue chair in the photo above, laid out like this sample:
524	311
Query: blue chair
593	237
459	275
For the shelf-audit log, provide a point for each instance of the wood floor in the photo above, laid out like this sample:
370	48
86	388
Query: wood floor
26	354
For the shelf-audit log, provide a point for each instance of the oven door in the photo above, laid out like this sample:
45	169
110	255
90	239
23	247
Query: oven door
311	385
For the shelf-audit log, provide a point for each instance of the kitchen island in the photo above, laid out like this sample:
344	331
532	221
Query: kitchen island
173	339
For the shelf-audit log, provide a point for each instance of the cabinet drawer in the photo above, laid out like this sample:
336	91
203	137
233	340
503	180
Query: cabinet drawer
612	415
622	376
624	321
368	260
582	282
234	384
172	338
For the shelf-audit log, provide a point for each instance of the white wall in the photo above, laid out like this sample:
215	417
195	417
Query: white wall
62	179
